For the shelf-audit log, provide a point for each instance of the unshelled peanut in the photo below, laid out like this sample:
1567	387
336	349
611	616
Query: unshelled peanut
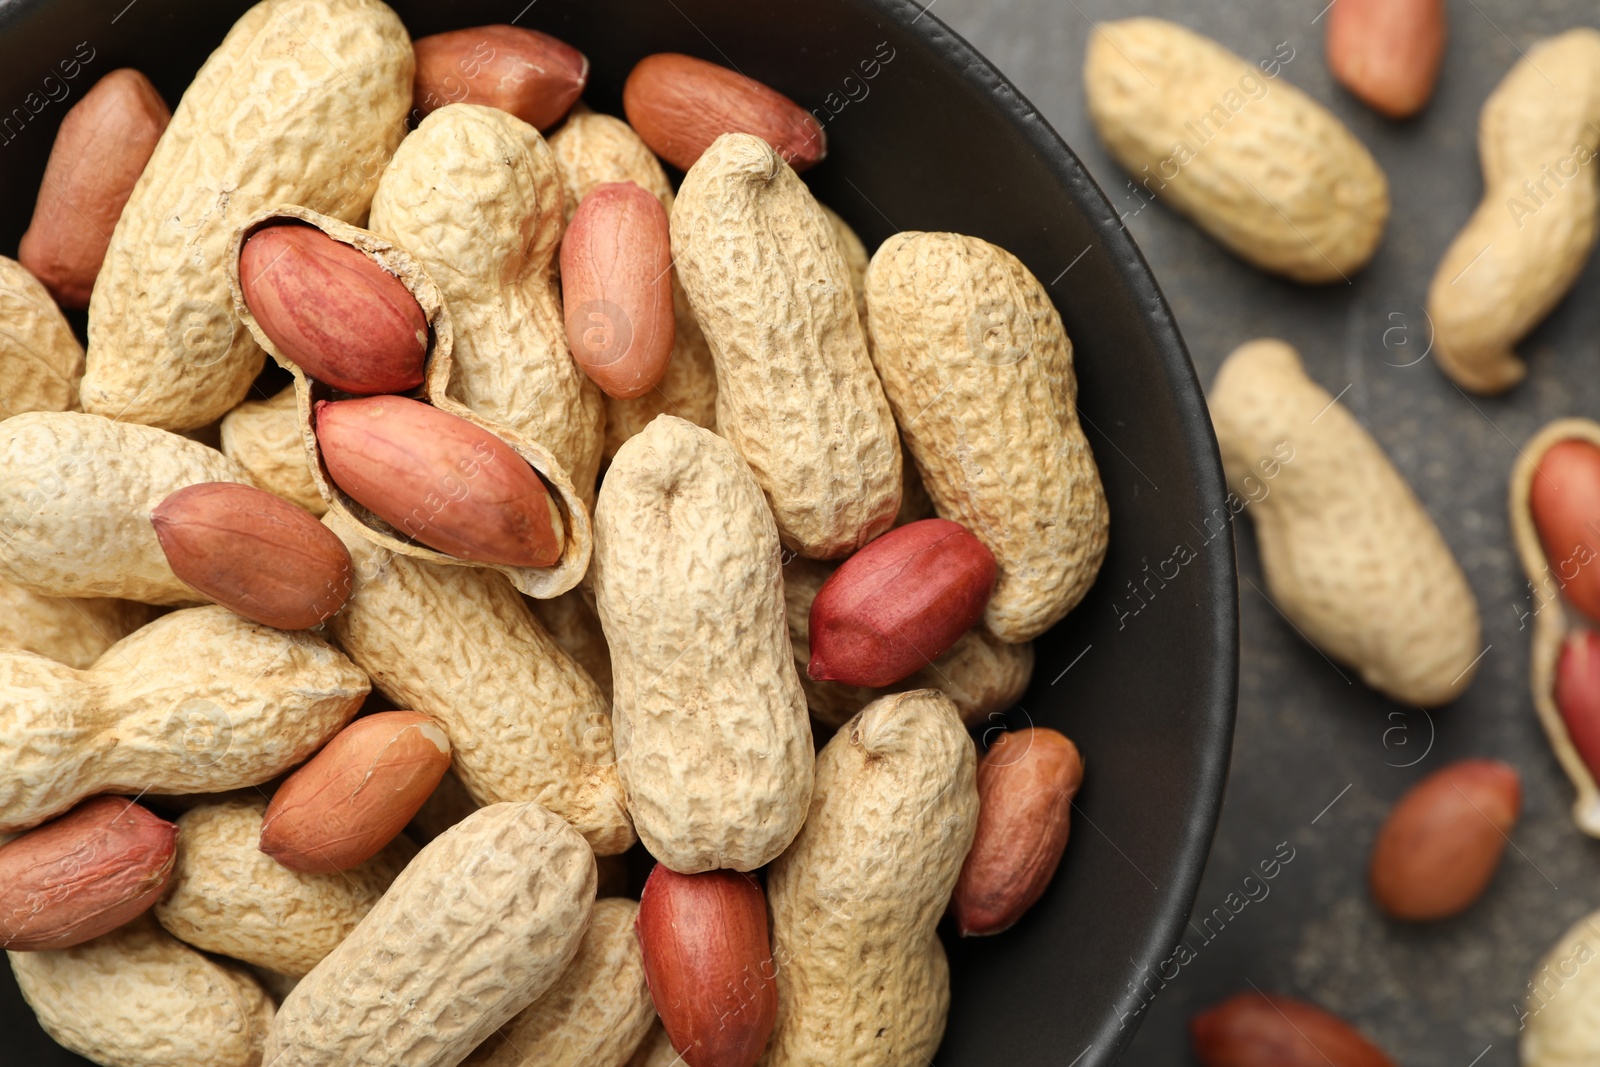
41	362
263	437
74	632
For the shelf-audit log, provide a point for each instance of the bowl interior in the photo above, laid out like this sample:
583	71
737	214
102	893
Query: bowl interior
923	135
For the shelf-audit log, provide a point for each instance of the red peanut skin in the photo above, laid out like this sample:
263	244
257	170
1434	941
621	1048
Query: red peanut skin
102	147
1578	694
616	289
333	311
899	603
1440	846
439	479
1387	52
532	75
1255	1030
357	794
1564	502
679	105
83	874
708	962
1026	783
254	553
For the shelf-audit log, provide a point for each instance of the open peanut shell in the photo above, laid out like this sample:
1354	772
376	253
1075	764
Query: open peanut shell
539	582
1553	618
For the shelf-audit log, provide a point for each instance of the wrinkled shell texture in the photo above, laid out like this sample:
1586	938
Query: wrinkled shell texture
459	644
796	394
1517	257
479	925
165	347
862	977
74	632
137	997
228	896
498	275
40	361
592	149
856	261
572	621
263	437
712	740
1563	1024
598	1012
76	492
1268	171
978	368
198	701
1351	557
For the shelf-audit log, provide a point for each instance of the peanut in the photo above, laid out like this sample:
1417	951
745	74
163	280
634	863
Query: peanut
572	621
41	361
230	898
1255	1030
530	74
855	900
165	347
533	728
357	794
254	553
479	925
1351	558
498	275
1564	1030
98	866
1387	52
978	369
1440	846
263	437
1577	695
708	962
899	604
796	394
100	150
138	997
76	494
447	805
74	632
1026	782
1518	254
680	105
856	261
713	744
592	149
198	701
1155	89
616	289
594	1016
333	310
1564	503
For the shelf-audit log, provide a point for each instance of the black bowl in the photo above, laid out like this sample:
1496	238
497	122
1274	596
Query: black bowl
923	134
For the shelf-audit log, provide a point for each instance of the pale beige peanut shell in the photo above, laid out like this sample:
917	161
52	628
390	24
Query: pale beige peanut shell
856	259
980	673
1256	163
229	897
572	621
76	492
1350	556
41	361
251	130
476	928
978	369
458	643
1560	1017
497	274
656	1050
1552	620
796	393
713	742
595	1015
1529	239
138	997
263	437
862	977
200	700
592	149
569	502
74	632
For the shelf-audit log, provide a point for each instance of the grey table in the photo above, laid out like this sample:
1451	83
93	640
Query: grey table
1318	758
